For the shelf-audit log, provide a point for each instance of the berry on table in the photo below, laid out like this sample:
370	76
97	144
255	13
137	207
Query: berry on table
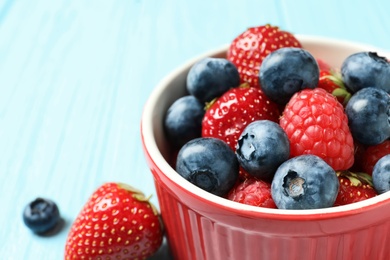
117	222
368	113
226	117
41	215
252	191
211	77
366	69
183	120
208	163
286	71
304	182
315	123
381	175
354	187
261	148
248	49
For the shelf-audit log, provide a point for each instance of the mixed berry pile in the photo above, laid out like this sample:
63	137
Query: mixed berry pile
269	126
273	126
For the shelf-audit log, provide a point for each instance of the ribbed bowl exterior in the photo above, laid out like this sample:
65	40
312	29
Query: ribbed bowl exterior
197	230
199	227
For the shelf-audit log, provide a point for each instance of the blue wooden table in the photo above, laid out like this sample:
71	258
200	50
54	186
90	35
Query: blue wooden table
74	76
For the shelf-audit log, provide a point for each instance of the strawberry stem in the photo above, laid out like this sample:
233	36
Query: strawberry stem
139	196
127	187
209	104
244	85
356	178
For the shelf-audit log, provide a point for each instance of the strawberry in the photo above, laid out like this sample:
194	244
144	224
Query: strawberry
323	65
248	50
354	187
332	82
117	222
253	192
227	116
315	123
373	153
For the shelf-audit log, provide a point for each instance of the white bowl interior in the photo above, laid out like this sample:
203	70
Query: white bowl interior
173	86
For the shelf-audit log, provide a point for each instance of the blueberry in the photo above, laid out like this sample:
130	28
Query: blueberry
366	69
41	215
211	77
286	71
209	163
183	120
368	113
261	148
304	182
381	175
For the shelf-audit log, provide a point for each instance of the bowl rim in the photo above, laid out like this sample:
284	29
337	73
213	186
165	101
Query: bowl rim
152	150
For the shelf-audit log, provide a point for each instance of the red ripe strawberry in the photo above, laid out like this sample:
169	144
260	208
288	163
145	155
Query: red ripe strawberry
354	187
227	117
323	65
315	123
373	153
332	82
253	192
248	50
117	222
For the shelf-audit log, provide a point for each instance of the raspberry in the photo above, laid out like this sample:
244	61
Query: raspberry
315	123
253	192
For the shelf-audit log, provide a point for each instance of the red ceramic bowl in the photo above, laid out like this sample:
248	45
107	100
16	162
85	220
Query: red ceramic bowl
200	225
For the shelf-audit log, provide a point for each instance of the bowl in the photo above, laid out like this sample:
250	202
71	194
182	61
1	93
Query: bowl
200	225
